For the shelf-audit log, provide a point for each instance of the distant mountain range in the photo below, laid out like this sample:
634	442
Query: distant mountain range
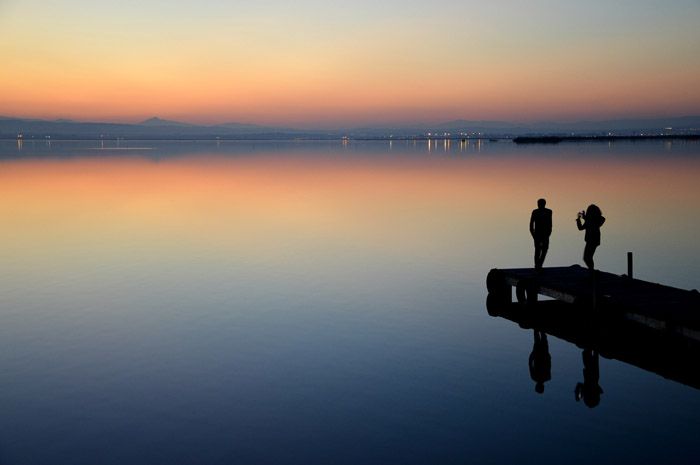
152	128
157	122
157	128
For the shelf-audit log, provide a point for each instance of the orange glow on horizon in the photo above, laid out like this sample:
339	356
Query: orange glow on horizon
293	68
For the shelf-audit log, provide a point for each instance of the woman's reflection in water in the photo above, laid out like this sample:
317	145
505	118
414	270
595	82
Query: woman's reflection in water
540	362
589	390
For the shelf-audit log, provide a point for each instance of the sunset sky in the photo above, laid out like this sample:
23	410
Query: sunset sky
330	63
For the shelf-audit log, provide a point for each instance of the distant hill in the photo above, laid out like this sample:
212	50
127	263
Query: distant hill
481	124
152	128
158	128
239	125
155	121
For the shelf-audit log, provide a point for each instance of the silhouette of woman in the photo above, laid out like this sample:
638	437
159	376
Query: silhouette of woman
593	219
589	390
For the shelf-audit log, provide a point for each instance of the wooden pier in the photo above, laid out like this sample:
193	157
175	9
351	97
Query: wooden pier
659	307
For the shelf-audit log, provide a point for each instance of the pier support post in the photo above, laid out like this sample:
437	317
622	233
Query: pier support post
498	287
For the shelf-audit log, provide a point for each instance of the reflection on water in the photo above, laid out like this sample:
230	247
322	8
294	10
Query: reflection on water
589	390
316	302
672	357
540	362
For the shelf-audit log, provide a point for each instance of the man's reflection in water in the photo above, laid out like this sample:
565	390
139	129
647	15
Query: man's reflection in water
540	362
589	390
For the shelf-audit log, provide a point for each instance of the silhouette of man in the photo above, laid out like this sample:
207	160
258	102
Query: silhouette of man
540	362
589	390
541	229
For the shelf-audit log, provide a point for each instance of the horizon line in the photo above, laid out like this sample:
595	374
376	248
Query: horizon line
404	125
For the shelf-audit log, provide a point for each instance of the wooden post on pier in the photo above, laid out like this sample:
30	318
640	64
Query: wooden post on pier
630	267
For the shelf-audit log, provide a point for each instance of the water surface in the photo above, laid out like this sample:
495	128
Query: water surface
321	302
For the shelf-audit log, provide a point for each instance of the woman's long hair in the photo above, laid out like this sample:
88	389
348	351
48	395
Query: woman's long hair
593	213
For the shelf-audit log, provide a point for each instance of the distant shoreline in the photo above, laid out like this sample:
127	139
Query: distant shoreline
559	139
517	140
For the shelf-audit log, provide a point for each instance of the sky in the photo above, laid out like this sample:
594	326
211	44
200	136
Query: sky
314	63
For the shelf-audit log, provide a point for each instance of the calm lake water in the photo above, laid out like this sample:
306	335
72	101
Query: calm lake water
322	302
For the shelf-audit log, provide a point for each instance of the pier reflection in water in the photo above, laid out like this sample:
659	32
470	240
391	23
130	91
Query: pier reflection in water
599	334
